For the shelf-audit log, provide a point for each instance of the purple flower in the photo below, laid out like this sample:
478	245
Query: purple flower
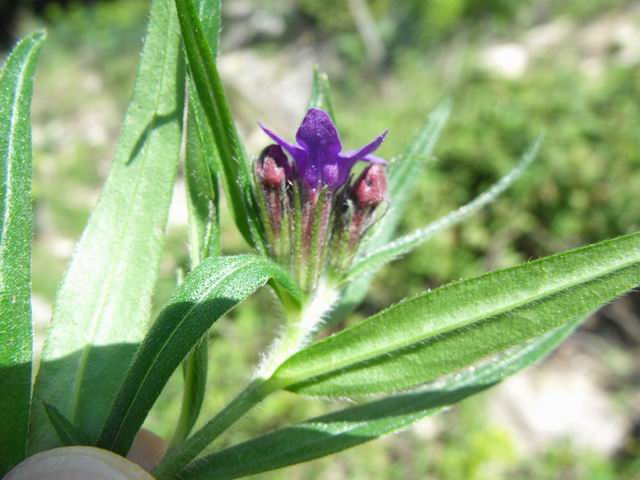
318	155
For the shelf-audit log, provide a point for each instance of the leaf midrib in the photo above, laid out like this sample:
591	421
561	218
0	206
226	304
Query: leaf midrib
13	126
338	364
94	322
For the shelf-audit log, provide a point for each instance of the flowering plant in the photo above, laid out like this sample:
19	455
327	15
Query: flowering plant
319	231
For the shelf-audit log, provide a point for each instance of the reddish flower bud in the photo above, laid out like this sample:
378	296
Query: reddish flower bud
273	167
370	189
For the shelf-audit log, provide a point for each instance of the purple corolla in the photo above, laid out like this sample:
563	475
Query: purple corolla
317	153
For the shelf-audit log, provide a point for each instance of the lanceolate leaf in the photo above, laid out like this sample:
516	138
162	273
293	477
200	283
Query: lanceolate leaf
407	243
212	289
233	163
404	174
202	158
322	436
436	333
16	227
101	313
203	205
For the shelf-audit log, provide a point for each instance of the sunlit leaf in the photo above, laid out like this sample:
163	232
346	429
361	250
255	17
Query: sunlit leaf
102	309
404	175
439	332
328	434
405	244
202	158
16	229
203	206
213	288
234	168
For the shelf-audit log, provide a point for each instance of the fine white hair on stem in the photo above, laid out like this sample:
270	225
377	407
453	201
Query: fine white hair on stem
298	332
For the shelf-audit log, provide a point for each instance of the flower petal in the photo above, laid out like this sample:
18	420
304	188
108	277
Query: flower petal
363	152
293	149
374	159
318	133
335	173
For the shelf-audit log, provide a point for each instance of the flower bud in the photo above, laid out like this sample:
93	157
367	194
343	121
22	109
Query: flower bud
313	213
273	167
272	173
370	189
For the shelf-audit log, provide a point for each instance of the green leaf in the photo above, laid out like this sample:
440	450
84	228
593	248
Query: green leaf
16	229
67	432
404	174
233	162
194	373
436	333
202	157
203	202
102	309
212	289
321	93
328	434
405	244
203	206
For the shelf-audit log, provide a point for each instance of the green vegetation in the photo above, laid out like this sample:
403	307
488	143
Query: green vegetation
581	190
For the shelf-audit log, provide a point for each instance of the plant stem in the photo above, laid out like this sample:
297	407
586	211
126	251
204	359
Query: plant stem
178	458
299	330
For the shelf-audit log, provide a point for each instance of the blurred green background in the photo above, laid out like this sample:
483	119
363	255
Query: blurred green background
570	70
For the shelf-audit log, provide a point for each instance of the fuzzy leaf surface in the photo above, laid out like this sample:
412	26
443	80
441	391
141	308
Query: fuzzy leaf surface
439	332
212	289
234	167
202	158
102	310
328	434
16	230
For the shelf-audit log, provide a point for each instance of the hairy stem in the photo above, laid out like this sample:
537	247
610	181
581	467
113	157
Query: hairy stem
299	330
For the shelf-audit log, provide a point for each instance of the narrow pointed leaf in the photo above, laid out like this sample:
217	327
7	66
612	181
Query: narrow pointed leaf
328	434
212	289
203	206
404	174
202	156
16	230
321	93
102	309
234	167
407	243
203	202
67	432
436	333
406	171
